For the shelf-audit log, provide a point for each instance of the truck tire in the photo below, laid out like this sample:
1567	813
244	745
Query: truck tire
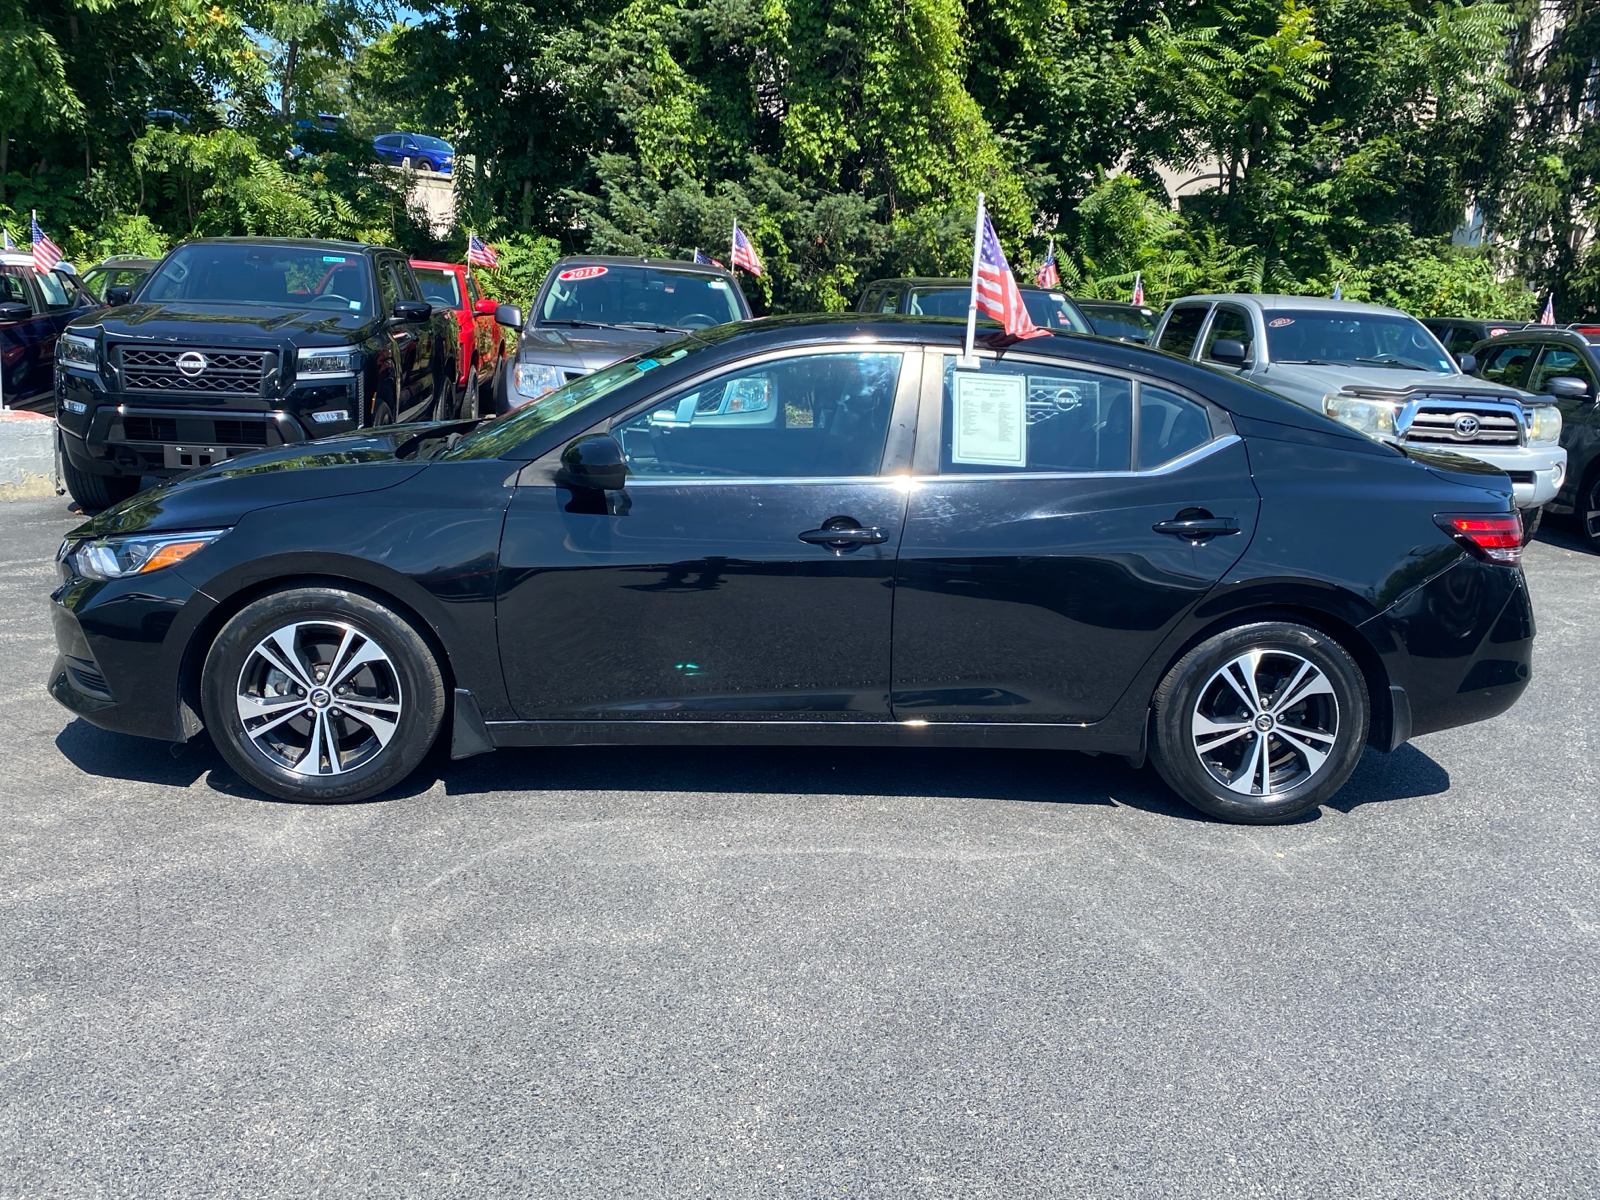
96	492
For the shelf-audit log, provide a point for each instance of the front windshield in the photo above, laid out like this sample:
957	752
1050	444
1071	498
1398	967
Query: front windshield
1047	310
1357	339
282	276
639	297
494	437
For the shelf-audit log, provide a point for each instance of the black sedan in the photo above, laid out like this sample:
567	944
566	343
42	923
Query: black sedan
818	531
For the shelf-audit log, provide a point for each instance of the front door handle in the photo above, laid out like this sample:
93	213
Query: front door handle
1196	527
842	537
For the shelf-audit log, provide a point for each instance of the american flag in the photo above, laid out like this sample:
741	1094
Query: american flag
9	244
993	287
700	256
480	253
1548	317
744	254
46	254
1138	288
1048	276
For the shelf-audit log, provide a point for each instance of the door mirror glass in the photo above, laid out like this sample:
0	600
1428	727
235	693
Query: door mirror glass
1567	387
1015	416
508	315
593	462
119	294
817	416
1468	363
1228	350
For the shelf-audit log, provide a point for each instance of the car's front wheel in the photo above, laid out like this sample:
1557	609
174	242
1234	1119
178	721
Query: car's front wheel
321	694
94	493
1589	509
1261	723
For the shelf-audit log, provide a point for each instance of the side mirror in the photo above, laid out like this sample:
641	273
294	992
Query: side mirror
15	312
594	462
1228	350
508	315
486	307
119	294
412	312
1567	387
1468	363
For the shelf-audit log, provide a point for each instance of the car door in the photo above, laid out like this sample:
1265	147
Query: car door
27	346
1181	328
482	328
1580	417
404	339
1050	540
708	589
424	386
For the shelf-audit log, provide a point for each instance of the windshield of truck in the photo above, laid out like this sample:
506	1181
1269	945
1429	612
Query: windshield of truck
1047	310
627	297
281	276
1356	339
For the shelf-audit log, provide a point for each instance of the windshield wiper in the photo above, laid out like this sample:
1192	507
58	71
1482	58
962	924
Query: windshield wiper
1304	362
648	325
1391	362
579	324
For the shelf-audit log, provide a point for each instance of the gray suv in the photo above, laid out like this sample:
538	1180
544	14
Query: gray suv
1377	370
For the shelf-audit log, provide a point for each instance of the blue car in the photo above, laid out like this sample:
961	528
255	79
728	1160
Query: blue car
422	152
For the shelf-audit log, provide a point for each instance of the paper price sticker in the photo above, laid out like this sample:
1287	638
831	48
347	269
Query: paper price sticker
582	273
990	420
1279	322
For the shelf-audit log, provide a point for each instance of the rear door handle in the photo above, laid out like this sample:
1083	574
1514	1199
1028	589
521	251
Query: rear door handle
1197	526
827	537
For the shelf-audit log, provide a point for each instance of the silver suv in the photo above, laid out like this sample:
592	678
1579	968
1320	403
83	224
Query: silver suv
1377	370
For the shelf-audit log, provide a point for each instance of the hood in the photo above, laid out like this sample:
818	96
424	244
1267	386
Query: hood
217	496
1302	381
583	348
239	324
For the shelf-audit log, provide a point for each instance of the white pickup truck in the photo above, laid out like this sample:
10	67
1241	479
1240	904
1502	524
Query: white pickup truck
1378	370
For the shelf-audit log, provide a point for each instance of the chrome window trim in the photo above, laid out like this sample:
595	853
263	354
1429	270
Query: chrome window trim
896	481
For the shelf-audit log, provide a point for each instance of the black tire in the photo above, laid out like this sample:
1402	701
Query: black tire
394	697
383	414
1531	520
1587	509
472	404
96	492
502	388
1196	712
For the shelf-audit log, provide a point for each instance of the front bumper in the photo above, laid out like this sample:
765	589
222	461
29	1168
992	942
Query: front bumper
1536	472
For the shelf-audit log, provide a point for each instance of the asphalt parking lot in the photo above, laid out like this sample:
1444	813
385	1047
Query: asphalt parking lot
798	972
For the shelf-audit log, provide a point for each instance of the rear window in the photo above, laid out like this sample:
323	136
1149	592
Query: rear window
651	298
438	286
1047	310
1113	321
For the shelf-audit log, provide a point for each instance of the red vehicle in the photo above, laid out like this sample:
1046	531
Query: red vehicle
483	343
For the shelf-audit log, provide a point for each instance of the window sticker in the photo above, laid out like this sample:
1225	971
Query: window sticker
332	258
717	285
1279	322
644	364
583	273
989	420
355	306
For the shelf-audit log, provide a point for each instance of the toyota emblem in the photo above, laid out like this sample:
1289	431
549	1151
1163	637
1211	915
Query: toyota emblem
191	363
1466	426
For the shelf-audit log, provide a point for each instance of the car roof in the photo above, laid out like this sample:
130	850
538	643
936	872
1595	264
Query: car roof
1533	332
125	260
1269	301
294	243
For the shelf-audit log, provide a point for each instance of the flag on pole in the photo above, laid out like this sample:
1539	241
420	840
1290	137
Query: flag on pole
1048	276
1138	288
9	244
480	253
1338	292
46	254
744	254
1548	317
994	290
700	256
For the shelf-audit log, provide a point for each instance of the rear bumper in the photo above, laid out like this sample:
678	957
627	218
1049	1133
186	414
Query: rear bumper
1461	645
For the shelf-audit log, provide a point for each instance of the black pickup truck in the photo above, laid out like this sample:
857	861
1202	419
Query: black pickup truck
235	344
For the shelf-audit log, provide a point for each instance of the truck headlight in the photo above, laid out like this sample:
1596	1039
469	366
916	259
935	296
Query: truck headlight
1375	418
327	362
134	554
76	349
534	379
1544	425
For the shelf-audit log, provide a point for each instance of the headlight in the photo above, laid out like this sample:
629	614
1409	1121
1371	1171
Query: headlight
1544	424
1375	418
76	349
534	380
326	361
134	554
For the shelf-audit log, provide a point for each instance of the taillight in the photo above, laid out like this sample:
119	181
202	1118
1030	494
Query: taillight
1493	537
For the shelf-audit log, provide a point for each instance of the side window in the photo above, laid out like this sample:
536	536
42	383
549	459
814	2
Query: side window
1509	364
1183	329
820	415
873	301
1556	362
1169	425
408	282
473	294
1234	323
57	292
1017	416
12	289
891	301
388	287
1459	340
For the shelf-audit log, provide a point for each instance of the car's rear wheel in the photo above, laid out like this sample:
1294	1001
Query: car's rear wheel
96	492
321	694
1261	723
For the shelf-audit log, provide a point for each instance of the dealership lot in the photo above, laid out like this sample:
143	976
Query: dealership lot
798	972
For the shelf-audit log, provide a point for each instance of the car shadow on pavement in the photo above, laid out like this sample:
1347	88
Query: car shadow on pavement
1563	531
96	751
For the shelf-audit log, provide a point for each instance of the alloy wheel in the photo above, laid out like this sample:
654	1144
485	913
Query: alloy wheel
1265	722
319	697
1591	511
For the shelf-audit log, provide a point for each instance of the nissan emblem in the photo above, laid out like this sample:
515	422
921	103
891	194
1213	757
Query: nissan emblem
192	362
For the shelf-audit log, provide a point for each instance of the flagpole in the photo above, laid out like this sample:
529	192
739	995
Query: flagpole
968	361
733	248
